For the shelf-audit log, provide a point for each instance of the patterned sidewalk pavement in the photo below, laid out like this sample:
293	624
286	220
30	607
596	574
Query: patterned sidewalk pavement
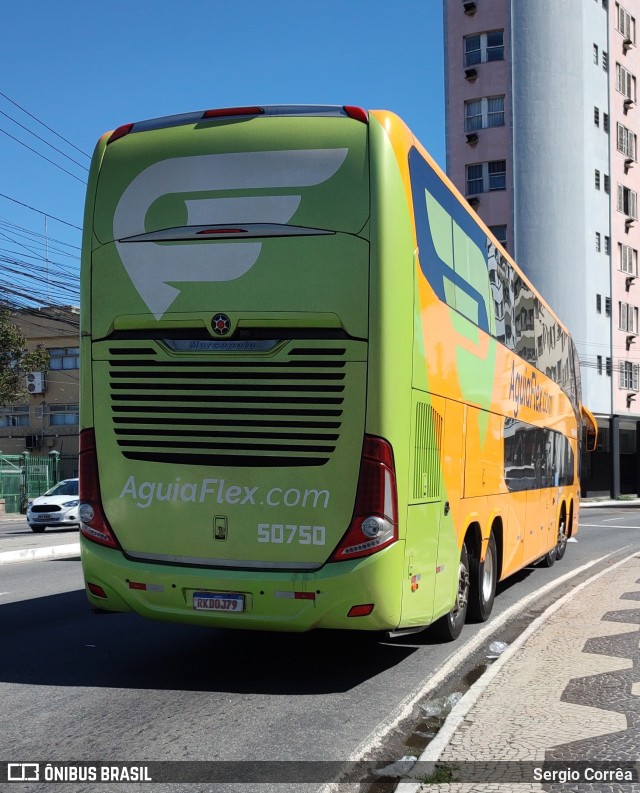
560	711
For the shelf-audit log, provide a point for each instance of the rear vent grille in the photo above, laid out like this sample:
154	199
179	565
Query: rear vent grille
426	470
278	412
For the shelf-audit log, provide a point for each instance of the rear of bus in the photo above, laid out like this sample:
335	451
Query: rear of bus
226	475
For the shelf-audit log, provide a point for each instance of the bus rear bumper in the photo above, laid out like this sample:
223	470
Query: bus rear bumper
277	601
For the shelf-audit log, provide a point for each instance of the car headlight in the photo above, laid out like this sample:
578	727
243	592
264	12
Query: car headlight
71	503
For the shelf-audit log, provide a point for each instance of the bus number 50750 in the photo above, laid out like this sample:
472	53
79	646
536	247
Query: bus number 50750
288	533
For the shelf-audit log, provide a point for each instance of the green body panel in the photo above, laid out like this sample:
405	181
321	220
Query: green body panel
339	202
294	280
139	496
337	588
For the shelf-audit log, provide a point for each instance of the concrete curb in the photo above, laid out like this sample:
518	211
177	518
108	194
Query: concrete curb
627	502
38	554
435	748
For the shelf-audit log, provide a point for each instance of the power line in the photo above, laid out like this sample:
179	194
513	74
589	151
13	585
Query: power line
39	211
46	143
35	118
41	155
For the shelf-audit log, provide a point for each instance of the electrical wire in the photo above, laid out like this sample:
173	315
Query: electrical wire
35	118
4	132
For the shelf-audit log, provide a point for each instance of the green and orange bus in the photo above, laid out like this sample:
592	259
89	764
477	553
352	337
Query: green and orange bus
315	391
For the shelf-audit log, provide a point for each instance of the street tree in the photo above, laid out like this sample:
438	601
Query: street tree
16	361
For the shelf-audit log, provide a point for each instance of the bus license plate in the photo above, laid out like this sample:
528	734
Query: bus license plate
217	601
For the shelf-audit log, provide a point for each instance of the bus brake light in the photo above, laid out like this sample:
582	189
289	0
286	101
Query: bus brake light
125	129
374	525
233	111
357	113
93	523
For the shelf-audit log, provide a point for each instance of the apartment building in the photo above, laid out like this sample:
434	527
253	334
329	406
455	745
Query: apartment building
47	418
541	130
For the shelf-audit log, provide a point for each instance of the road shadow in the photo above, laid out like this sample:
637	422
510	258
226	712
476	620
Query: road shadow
58	641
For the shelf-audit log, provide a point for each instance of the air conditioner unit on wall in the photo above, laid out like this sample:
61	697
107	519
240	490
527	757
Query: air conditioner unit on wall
36	383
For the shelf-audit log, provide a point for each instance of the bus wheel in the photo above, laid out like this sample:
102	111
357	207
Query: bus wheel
561	547
548	560
484	577
449	627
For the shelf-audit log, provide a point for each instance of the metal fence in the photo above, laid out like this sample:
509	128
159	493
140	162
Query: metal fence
25	476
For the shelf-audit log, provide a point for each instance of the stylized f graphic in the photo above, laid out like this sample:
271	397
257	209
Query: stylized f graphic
153	267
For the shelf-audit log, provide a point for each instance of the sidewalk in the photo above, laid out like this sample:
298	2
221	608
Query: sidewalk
560	699
609	502
23	545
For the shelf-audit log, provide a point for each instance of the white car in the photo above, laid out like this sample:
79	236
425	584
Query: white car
58	507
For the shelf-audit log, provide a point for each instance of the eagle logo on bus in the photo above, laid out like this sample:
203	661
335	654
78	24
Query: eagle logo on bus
155	269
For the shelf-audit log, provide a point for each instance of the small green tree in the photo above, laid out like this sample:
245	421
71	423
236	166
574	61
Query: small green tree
15	361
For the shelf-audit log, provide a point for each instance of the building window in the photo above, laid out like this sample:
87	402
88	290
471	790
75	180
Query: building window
486	177
597	179
627	142
607	245
63	415
605	61
628	258
605	122
497	175
598	242
483	47
598	304
629	375
596	116
608	366
628	202
599	363
15	416
595	53
607	306
625	82
64	358
475	181
627	318
483	113
626	24
500	233
606	183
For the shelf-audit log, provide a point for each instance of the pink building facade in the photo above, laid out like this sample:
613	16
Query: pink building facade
541	129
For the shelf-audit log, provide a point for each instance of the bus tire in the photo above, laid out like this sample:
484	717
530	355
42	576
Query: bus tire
549	559
449	627
561	547
484	577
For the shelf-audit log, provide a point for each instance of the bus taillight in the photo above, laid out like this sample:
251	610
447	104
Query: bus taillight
225	112
93	523
358	113
125	129
375	518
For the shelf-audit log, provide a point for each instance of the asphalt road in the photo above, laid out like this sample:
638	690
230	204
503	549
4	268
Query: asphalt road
76	686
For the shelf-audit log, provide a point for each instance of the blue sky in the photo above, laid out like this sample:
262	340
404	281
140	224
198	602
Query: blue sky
82	68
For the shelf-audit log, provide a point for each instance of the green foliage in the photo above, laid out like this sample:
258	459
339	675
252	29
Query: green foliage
441	775
15	361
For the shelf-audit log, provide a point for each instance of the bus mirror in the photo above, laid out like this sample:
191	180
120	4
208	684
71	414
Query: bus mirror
590	429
